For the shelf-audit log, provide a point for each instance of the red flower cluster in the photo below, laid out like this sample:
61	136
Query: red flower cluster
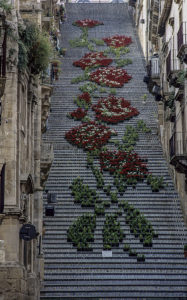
85	98
92	59
78	114
114	110
87	23
89	136
128	164
111	76
117	41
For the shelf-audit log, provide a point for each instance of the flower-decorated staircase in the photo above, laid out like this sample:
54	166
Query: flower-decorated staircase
73	274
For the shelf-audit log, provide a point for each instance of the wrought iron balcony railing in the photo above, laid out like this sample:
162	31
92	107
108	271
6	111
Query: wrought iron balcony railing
172	63
178	151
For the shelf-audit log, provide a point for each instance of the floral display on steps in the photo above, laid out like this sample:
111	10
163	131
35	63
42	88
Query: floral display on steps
118	41
127	164
93	60
87	23
126	167
110	76
84	100
89	136
114	109
77	114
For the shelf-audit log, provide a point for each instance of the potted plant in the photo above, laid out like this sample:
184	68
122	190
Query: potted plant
126	247
140	257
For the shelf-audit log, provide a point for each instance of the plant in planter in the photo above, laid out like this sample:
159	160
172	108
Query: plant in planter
112	233
114	197
82	231
141	125
147	241
132	253
126	247
181	77
100	209
155	182
140	257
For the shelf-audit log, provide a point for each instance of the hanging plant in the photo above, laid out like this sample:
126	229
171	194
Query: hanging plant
114	109
111	76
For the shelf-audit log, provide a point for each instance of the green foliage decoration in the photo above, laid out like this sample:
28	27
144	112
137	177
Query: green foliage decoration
81	232
34	48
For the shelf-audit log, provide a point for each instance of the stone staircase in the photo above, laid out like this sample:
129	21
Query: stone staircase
87	275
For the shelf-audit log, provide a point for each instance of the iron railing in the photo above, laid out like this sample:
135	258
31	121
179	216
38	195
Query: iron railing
178	145
172	62
182	36
155	67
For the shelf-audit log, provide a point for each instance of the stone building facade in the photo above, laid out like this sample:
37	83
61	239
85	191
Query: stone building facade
162	28
25	159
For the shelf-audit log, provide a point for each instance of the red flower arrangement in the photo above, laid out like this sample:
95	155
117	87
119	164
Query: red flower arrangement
118	41
92	59
111	76
89	136
84	100
87	23
128	164
114	110
78	114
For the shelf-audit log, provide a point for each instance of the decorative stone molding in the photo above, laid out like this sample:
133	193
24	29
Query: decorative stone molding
2	251
46	103
47	157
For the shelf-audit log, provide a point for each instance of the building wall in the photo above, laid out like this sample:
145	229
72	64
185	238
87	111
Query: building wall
161	37
25	105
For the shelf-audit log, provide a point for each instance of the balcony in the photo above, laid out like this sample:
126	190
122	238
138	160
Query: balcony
155	67
47	157
172	64
178	152
182	41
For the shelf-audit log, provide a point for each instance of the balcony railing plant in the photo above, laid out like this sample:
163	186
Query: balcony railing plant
182	38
